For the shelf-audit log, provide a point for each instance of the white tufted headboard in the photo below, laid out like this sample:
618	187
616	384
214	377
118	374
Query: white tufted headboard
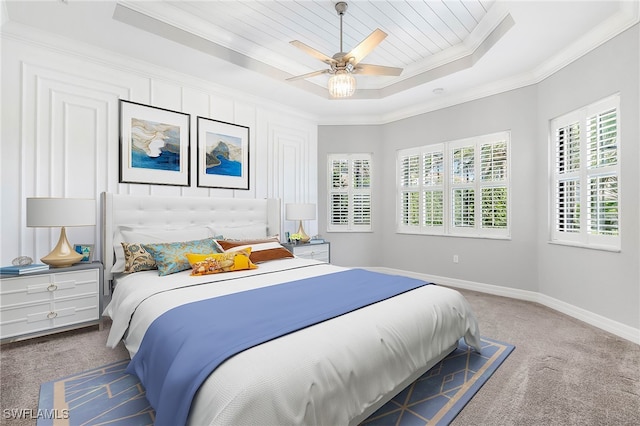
175	212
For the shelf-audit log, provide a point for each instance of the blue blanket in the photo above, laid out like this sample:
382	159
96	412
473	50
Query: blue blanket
186	344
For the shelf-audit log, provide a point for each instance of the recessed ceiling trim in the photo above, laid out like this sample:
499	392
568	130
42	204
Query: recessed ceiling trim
144	22
449	68
459	57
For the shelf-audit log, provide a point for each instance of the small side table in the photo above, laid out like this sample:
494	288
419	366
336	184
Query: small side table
316	251
46	302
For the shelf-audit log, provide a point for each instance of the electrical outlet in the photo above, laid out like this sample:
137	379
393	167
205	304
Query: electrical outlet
456	259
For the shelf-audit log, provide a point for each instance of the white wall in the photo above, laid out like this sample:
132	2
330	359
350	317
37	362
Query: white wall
605	286
60	133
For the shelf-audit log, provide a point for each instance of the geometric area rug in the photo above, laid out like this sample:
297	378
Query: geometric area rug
108	396
441	393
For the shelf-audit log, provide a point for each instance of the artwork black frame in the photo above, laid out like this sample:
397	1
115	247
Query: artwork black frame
144	132
236	141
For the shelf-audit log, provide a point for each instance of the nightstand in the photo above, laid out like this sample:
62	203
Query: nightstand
317	251
51	301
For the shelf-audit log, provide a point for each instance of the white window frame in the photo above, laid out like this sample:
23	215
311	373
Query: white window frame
578	232
448	187
351	192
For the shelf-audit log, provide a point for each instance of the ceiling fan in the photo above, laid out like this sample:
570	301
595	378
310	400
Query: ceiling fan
342	65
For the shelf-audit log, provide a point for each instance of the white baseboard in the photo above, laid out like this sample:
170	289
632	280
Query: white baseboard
596	320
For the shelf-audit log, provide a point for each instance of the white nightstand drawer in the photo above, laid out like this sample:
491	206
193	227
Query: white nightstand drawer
24	290
44	316
311	251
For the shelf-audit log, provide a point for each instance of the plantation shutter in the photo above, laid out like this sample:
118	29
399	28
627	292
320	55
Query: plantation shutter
463	193
585	197
458	187
433	192
349	192
493	183
567	163
421	183
409	182
602	172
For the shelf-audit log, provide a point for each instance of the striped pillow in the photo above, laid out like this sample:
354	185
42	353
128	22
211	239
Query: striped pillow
261	250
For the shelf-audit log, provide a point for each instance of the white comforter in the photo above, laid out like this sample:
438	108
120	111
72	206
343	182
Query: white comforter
332	373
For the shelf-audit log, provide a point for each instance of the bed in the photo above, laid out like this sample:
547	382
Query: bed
334	371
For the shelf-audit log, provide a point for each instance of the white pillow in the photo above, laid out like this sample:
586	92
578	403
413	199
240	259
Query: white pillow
252	232
144	235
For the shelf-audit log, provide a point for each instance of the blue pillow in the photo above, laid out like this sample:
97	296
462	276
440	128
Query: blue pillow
172	257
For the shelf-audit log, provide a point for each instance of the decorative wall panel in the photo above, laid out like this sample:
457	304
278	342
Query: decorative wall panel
60	135
293	167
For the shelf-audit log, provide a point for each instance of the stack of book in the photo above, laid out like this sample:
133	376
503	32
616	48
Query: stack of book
23	269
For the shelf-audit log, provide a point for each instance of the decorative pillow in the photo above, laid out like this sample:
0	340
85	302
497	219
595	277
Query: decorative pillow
214	263
261	250
146	234
137	259
172	257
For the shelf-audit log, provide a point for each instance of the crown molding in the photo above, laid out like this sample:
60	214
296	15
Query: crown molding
626	18
106	58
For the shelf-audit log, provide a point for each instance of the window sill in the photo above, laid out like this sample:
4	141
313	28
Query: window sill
475	236
586	246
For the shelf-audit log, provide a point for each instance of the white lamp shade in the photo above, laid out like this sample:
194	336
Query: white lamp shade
59	212
303	211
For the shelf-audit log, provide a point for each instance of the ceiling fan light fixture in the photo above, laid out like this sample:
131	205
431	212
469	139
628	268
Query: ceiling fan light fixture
342	84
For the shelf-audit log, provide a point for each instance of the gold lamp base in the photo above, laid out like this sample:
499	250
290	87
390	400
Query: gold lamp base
305	238
63	254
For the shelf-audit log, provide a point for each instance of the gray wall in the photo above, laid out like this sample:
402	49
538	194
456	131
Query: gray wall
361	248
601	282
526	261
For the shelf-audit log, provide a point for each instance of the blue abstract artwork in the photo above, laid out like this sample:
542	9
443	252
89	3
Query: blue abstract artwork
223	155
155	145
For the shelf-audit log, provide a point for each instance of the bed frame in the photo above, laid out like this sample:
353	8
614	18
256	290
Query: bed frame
174	212
131	210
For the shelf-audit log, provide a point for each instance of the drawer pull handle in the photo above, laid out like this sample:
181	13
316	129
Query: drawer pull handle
52	287
52	315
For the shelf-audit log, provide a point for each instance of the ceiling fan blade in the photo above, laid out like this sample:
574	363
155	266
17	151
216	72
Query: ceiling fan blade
366	46
377	70
313	52
308	75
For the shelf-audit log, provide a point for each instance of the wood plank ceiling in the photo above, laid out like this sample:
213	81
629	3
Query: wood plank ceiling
420	32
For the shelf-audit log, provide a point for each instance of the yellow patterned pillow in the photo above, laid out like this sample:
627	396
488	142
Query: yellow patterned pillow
214	263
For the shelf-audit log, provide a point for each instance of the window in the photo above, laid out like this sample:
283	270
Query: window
586	176
349	192
455	188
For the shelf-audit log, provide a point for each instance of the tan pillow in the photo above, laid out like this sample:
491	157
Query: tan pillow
137	259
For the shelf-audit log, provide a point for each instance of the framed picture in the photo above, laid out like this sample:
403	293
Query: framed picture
86	250
223	154
154	145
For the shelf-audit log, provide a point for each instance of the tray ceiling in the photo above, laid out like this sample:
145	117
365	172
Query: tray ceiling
450	50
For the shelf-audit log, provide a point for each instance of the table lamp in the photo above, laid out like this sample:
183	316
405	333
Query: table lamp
61	212
301	212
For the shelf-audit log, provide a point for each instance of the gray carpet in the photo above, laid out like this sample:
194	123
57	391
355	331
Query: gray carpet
563	372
